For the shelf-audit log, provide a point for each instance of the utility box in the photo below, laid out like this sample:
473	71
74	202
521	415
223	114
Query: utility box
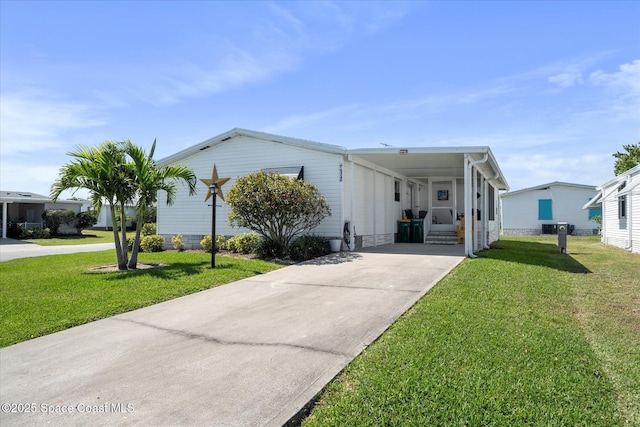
563	228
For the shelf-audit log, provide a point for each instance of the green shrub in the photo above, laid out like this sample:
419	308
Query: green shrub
221	242
54	218
35	233
206	243
130	240
269	248
150	214
153	243
14	231
275	206
86	220
149	229
245	243
177	242
307	247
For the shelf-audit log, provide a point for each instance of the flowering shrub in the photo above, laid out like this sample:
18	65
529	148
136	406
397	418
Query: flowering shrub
177	243
245	243
276	207
153	243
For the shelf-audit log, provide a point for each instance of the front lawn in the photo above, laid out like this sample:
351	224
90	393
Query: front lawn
523	335
47	294
87	236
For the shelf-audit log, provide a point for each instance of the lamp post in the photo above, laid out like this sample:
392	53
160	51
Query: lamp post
213	187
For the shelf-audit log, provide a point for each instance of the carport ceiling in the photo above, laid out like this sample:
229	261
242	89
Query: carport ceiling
421	162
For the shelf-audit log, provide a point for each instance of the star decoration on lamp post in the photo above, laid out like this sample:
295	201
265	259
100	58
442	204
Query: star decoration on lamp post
215	189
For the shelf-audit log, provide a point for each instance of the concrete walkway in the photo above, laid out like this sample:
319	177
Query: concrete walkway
250	353
14	249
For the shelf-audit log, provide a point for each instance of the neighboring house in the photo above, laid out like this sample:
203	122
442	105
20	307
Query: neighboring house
619	200
104	216
537	210
27	208
367	189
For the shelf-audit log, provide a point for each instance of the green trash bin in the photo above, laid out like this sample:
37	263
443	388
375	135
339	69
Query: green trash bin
417	230
404	232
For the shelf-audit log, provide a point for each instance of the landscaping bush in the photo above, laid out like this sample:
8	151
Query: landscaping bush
153	243
130	240
221	242
276	207
307	247
85	220
268	248
14	231
206	243
54	218
177	243
149	229
35	233
245	243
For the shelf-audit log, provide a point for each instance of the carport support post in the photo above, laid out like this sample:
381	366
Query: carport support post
4	220
214	190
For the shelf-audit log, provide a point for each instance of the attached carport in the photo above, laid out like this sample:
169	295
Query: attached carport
475	167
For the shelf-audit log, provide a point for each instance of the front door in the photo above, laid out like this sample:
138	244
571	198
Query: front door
442	205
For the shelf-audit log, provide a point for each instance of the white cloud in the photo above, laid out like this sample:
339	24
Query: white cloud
305	119
626	81
33	121
568	79
526	169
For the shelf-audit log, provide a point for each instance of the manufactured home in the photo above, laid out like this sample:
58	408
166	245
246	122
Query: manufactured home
619	200
369	190
27	208
537	210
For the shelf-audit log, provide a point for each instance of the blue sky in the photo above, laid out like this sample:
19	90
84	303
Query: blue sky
552	87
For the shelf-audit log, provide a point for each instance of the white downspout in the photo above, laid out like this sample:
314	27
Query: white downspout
485	216
629	214
474	198
467	208
468	246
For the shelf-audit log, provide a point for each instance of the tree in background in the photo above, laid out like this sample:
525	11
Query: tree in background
628	160
149	179
276	207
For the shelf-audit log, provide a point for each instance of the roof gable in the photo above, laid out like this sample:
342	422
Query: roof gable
546	186
227	136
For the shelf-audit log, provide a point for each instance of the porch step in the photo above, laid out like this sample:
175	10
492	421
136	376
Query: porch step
442	238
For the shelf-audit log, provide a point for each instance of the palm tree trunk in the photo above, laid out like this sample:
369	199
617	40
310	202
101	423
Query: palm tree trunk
123	225
133	261
122	262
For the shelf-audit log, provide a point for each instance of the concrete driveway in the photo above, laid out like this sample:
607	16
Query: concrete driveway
250	353
14	249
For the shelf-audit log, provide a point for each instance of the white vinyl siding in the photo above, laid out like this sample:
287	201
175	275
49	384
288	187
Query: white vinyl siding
239	157
618	230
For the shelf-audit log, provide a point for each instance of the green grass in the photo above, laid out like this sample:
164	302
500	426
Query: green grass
88	236
47	294
522	335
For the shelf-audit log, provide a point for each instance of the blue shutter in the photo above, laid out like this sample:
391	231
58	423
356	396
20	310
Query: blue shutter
544	209
595	212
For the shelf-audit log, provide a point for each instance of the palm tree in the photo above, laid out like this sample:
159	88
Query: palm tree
104	173
149	179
